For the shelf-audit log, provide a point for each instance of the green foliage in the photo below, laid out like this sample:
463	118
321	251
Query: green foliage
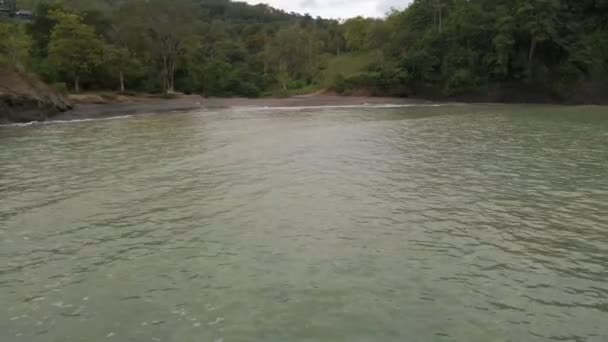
460	46
42	26
226	48
60	87
15	44
362	34
356	33
596	45
163	28
346	65
123	64
369	83
74	48
295	54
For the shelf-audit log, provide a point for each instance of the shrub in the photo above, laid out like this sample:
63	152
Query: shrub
60	87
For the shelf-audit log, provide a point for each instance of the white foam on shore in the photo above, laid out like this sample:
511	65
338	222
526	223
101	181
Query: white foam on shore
57	122
364	106
260	108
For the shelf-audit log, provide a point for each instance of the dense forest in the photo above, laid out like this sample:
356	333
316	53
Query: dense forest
224	48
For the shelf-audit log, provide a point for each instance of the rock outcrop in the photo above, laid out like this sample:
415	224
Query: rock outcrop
24	98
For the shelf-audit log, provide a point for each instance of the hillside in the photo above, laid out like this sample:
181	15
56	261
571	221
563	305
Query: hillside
25	98
441	49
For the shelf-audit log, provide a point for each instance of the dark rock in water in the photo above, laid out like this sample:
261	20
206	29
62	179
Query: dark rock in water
24	98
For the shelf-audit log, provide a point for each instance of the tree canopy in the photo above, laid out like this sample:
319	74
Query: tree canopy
74	49
225	48
15	44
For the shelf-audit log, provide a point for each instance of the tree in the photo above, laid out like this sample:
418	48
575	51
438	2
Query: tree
165	27
294	53
74	48
335	38
229	48
121	63
119	55
439	7
15	44
41	27
503	42
539	20
356	33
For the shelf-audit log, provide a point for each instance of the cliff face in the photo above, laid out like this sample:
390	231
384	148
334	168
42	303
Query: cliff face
24	98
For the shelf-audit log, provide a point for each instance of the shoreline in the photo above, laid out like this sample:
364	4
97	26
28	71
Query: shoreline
109	109
86	109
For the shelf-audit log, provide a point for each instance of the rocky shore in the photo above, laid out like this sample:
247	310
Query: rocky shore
24	98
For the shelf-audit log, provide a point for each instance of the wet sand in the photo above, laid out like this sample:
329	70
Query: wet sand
194	102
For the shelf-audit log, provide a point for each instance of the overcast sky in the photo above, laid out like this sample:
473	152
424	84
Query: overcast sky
336	8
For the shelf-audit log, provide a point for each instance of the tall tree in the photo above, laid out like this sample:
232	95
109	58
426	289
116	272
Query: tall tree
356	33
295	52
539	18
122	63
15	44
165	27
41	27
74	47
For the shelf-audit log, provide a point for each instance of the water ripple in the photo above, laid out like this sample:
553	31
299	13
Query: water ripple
455	223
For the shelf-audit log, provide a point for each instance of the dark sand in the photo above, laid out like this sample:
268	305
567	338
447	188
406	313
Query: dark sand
193	102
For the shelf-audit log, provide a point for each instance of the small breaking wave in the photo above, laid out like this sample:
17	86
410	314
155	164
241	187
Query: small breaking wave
364	106
58	122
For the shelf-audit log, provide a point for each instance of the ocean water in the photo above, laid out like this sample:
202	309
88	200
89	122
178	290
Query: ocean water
371	223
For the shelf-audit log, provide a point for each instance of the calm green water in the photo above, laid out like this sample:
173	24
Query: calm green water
454	223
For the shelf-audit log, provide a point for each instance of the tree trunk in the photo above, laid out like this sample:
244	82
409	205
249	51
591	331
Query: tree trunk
165	74
531	55
171	79
171	84
122	82
440	19
77	84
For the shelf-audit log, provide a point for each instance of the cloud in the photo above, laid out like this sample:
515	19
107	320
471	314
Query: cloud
385	6
337	8
309	4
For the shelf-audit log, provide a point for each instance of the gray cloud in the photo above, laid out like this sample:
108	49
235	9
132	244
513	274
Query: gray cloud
309	4
385	6
337	8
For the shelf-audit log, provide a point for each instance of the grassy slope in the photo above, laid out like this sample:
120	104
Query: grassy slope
347	65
